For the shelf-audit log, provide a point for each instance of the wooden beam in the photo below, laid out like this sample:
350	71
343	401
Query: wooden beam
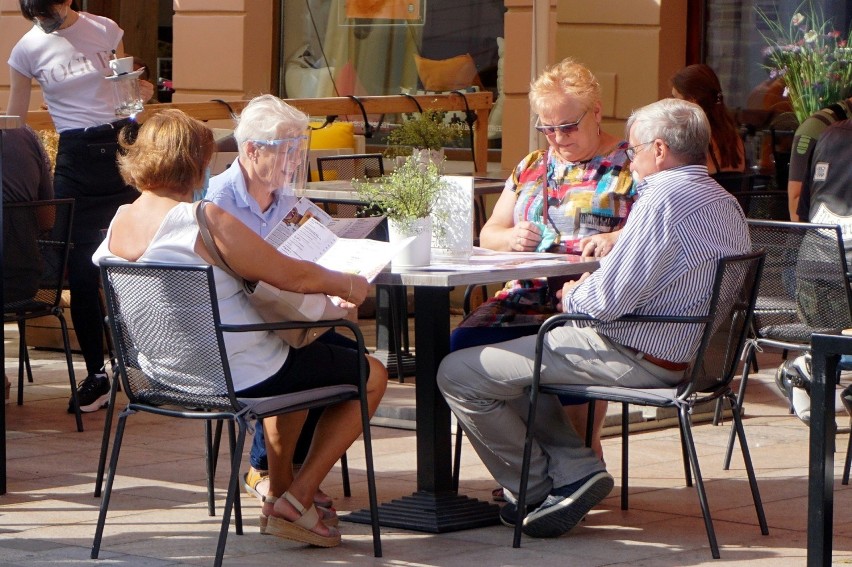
480	103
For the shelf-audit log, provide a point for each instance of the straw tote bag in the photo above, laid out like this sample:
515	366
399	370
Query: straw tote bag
272	304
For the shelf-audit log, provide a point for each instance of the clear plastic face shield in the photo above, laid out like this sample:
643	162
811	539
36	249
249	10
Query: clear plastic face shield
283	163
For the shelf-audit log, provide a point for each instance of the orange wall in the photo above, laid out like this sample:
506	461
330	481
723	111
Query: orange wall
632	46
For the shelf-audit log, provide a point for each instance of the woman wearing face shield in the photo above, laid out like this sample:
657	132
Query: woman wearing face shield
259	189
68	52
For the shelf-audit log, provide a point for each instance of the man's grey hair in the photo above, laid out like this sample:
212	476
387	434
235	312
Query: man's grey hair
682	125
267	117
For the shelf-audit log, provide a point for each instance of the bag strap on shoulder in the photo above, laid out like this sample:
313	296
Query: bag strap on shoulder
207	238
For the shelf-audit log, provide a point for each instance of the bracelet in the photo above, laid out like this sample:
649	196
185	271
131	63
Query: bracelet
350	288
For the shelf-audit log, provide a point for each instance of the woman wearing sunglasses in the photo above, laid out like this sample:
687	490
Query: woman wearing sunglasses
571	197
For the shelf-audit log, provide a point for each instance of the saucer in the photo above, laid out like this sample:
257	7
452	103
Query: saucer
133	74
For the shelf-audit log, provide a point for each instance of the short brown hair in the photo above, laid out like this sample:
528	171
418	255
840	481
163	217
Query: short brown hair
171	151
566	79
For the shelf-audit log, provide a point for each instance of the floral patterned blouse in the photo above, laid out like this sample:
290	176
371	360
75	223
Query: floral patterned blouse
584	198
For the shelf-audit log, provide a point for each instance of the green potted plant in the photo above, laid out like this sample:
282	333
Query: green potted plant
407	197
426	131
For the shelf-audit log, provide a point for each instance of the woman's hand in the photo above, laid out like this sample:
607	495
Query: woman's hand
524	237
358	289
598	245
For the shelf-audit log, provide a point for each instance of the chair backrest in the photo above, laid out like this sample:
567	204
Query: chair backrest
804	288
355	166
165	324
763	204
36	242
734	181
730	311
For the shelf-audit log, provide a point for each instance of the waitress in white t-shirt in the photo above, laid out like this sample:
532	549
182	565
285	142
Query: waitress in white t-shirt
67	52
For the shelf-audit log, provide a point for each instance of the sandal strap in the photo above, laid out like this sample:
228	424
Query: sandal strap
309	517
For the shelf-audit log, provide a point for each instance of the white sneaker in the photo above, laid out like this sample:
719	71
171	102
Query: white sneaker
801	396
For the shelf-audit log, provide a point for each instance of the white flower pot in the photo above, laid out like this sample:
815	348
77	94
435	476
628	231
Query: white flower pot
419	251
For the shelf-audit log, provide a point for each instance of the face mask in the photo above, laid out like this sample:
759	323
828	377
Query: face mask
50	25
199	194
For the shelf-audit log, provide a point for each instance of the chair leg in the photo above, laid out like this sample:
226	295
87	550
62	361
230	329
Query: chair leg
590	422
396	333
525	464
625	436
368	460
752	479
23	359
726	464
99	479
686	436
233	490
848	463
344	473
232	444
66	341
208	461
113	462
457	456
687	474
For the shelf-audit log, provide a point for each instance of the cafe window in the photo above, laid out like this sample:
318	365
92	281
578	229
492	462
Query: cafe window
734	46
388	47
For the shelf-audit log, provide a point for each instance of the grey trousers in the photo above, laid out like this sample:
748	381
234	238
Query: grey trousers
487	389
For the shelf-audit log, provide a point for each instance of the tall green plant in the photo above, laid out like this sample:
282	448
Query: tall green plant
811	56
408	193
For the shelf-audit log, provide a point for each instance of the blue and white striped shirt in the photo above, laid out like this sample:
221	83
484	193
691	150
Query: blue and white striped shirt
664	262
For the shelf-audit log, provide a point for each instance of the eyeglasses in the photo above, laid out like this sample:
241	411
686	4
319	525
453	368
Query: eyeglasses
631	151
566	128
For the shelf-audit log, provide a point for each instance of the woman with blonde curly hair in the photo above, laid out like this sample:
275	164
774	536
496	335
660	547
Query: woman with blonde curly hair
571	197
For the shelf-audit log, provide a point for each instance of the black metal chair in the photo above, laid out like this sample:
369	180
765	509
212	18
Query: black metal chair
763	204
725	327
36	243
165	311
345	167
804	290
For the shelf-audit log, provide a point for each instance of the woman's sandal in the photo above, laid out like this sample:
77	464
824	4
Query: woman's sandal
301	530
327	516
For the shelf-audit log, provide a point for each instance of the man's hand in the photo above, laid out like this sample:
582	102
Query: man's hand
567	287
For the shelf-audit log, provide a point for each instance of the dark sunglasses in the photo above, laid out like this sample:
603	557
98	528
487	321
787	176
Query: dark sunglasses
566	128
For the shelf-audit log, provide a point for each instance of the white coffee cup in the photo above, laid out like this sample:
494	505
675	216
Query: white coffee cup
122	65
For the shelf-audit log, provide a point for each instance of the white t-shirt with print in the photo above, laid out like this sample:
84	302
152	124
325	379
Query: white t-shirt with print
71	66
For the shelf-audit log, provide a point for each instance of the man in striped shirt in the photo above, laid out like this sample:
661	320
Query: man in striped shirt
663	263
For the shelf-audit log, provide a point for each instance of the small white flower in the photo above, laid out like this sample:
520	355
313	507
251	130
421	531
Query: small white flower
797	19
811	36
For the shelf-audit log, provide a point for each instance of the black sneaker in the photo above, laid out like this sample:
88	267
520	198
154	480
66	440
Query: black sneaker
509	512
92	393
567	505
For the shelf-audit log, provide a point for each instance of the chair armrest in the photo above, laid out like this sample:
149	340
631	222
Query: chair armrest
562	318
277	325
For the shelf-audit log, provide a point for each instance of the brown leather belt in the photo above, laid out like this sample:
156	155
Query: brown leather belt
665	364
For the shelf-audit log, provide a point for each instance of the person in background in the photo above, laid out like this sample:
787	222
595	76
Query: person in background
67	53
166	163
26	177
804	142
258	190
569	198
699	84
664	262
829	188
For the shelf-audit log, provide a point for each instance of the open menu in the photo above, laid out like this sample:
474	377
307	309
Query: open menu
309	233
